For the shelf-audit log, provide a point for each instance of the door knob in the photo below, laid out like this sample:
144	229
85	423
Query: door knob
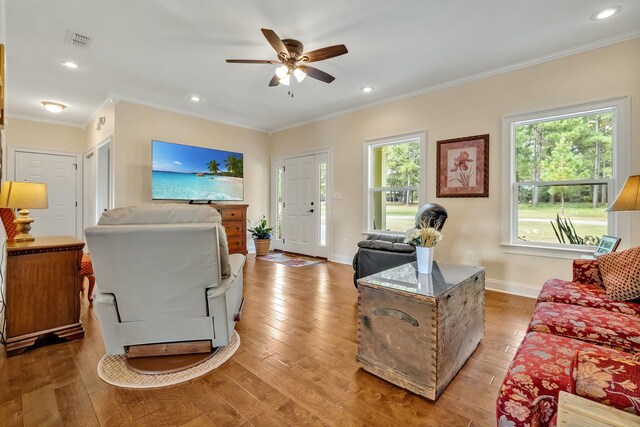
310	211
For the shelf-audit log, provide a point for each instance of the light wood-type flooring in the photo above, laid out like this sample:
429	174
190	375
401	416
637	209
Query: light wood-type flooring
295	366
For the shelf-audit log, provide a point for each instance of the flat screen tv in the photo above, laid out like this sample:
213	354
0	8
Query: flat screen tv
184	172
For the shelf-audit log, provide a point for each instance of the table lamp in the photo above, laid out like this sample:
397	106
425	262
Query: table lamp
25	196
629	197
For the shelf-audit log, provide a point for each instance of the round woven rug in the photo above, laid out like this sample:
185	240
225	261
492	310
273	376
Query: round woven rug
114	370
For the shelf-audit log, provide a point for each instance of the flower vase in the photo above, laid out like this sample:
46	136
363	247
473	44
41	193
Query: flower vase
424	256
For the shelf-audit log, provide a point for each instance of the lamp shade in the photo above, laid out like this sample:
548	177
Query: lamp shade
629	197
25	195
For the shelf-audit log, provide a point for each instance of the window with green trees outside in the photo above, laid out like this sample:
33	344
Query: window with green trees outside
563	176
394	184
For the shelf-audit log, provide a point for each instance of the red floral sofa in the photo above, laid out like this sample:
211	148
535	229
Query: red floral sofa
578	341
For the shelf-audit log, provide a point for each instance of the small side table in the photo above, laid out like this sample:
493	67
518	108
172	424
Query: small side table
42	291
417	330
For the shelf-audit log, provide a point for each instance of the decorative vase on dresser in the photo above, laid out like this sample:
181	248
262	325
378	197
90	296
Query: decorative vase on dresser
234	220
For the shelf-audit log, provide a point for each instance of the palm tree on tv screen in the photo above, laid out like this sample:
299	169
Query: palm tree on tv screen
234	165
214	167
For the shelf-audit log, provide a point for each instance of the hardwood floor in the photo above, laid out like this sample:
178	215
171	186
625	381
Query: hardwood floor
295	366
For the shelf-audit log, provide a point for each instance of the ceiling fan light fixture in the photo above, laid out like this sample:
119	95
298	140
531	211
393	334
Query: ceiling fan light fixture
53	107
367	89
282	71
286	80
299	75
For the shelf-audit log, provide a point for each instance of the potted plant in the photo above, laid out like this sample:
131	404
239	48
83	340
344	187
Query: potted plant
261	235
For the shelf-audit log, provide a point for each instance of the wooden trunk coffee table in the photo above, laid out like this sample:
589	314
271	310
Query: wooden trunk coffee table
417	330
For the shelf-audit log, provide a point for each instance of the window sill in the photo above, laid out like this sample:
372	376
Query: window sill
545	251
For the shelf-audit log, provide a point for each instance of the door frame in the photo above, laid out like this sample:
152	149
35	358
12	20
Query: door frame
276	163
92	155
11	174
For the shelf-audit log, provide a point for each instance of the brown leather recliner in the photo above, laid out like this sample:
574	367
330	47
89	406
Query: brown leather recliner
381	252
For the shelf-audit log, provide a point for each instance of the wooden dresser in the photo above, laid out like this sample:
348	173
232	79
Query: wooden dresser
42	291
234	220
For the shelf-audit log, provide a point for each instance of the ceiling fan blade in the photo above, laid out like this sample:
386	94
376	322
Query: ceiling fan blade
317	74
251	61
275	42
325	53
275	81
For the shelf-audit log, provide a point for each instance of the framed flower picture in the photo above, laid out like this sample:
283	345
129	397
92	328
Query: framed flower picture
463	167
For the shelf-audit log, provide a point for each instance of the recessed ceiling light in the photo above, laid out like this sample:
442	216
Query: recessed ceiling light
606	13
70	64
195	98
367	89
53	107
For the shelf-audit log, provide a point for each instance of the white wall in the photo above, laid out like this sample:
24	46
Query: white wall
478	107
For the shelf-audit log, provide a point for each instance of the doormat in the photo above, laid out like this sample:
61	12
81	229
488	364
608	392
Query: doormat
113	369
291	260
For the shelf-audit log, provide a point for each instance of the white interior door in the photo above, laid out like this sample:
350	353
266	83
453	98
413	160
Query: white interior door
59	172
300	210
89	188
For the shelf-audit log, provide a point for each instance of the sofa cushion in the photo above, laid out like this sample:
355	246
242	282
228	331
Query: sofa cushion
586	295
164	213
612	380
538	372
615	330
384	245
621	274
225	266
587	271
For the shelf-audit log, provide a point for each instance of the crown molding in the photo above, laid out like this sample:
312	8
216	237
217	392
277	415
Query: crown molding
109	99
41	120
479	76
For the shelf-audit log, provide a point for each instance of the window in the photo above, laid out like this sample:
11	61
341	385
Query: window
564	168
394	181
279	207
322	195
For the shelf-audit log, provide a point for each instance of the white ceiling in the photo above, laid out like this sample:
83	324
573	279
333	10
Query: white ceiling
161	52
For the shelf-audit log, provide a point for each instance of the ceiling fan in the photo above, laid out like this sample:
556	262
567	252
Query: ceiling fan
293	60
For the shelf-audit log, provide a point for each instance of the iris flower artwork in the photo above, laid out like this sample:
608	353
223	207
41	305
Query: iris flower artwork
463	167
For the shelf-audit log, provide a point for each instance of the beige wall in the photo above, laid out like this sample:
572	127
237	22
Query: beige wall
137	125
470	109
93	136
44	136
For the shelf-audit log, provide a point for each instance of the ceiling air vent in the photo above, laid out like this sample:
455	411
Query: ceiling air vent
77	39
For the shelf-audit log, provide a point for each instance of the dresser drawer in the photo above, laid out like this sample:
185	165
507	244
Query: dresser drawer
236	244
234	228
232	214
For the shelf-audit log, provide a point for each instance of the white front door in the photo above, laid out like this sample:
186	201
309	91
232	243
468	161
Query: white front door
58	171
300	210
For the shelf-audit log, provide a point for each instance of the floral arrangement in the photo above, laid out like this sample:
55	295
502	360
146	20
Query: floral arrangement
423	236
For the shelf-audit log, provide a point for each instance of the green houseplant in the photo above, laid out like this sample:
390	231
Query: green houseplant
261	235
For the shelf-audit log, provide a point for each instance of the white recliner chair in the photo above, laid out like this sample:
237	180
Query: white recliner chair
163	274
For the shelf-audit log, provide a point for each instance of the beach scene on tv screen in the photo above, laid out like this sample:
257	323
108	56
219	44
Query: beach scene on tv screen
184	172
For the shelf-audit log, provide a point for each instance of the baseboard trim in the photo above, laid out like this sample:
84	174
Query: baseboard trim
521	289
341	259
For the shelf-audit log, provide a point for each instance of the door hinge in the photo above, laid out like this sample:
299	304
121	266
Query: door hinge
76	204
283	241
284	169
284	205
75	165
